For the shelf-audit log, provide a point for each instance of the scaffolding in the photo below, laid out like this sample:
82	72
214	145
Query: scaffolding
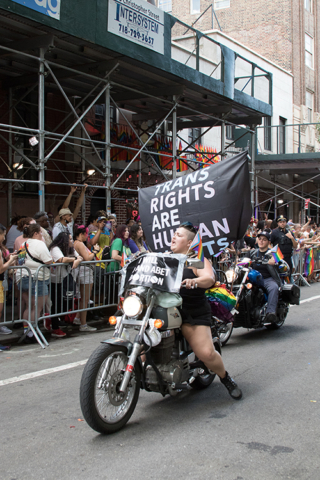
79	76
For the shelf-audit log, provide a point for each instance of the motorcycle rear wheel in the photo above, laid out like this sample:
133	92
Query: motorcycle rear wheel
276	325
104	408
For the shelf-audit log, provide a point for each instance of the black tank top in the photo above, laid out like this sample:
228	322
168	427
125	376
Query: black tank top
192	296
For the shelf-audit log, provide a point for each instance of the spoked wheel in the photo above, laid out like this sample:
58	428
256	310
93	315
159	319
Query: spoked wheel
224	331
104	407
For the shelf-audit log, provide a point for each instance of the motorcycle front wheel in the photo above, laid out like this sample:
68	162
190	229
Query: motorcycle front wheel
104	407
224	331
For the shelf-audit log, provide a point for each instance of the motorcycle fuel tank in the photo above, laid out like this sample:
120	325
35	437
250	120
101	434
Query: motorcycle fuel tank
171	317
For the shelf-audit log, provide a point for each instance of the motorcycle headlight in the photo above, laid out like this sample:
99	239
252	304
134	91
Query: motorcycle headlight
231	276
132	306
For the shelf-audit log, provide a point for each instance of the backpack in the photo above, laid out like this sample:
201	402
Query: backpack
69	287
106	253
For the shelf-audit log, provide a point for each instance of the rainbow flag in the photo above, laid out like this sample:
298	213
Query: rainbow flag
276	253
309	262
124	259
197	246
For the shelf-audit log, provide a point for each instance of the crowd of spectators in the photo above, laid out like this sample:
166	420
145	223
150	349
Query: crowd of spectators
299	240
59	242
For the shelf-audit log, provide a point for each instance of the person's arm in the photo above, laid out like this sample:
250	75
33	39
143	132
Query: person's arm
6	265
306	225
293	240
115	255
66	202
133	246
205	277
79	202
94	240
83	251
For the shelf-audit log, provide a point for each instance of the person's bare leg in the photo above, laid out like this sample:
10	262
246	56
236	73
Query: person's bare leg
85	296
200	340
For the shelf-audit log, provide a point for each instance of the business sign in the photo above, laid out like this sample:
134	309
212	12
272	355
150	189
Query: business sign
137	21
159	271
47	7
216	199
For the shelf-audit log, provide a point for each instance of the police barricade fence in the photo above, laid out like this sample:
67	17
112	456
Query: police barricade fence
57	290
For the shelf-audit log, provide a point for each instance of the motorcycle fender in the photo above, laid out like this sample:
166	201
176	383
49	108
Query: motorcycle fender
128	346
121	342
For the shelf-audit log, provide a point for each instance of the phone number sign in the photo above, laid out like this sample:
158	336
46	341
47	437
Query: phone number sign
137	21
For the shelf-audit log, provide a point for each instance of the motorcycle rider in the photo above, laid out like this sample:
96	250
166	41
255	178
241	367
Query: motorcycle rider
284	238
196	311
262	262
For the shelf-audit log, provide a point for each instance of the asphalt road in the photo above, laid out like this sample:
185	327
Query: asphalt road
272	433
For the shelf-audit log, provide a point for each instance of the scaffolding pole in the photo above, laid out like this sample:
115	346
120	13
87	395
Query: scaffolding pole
10	162
41	126
107	149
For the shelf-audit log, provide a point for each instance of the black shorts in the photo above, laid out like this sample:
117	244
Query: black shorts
199	315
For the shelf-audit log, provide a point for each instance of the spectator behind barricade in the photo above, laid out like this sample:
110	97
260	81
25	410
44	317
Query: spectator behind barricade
65	220
42	219
23	222
101	235
85	274
6	261
36	254
119	245
267	226
136	243
13	232
51	222
62	252
130	222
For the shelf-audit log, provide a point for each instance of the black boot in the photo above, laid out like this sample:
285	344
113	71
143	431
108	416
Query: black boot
231	386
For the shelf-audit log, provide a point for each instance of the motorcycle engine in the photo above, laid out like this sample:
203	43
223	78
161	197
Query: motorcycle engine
172	372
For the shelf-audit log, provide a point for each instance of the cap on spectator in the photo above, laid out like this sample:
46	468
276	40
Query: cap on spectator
64	211
101	218
281	217
265	234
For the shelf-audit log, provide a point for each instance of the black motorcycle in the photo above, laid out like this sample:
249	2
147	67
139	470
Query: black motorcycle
251	307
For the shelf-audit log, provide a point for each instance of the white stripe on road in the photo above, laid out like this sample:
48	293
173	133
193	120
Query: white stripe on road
40	373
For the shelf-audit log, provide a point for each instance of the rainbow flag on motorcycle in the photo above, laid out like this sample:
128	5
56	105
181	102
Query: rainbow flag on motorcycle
309	262
196	245
222	302
276	253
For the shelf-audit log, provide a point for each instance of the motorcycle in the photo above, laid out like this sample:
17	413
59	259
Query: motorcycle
147	350
250	310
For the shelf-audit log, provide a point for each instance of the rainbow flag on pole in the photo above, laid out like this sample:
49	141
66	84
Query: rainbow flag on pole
197	246
124	259
276	253
309	262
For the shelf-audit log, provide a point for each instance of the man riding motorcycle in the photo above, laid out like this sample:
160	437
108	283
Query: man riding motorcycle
265	265
196	312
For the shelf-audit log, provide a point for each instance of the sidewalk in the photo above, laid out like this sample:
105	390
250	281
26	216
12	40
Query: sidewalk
70	330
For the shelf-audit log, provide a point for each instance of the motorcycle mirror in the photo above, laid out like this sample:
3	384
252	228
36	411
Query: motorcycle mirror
194	263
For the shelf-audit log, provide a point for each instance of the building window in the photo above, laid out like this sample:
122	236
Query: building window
308	5
221	4
165	5
309	104
309	50
230	132
195	6
267	133
282	135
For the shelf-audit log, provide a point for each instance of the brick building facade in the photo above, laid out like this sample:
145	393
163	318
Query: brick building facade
284	31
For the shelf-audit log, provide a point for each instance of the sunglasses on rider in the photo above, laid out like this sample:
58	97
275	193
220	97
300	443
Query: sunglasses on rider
189	226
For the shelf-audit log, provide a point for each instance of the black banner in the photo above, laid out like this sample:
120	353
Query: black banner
216	198
160	271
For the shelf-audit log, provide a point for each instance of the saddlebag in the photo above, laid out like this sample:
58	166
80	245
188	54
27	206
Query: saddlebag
291	294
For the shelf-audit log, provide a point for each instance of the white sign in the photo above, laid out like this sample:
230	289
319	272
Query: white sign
137	21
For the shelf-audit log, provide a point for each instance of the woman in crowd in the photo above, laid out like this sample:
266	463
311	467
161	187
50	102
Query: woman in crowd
6	261
36	254
62	252
119	245
86	273
23	222
196	311
136	242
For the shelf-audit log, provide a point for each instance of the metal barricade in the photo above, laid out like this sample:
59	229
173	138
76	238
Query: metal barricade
57	290
89	287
